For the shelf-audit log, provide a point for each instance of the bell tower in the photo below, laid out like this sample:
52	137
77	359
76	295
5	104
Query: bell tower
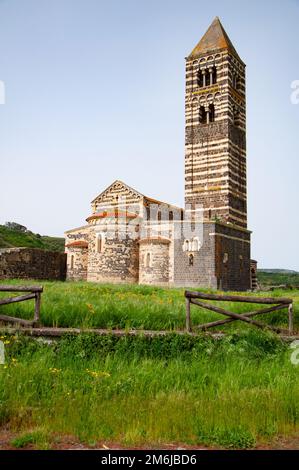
215	142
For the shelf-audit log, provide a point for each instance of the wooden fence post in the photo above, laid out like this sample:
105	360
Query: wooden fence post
291	319
37	308
188	316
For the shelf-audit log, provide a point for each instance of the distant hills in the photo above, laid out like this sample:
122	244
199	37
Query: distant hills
16	235
278	271
278	277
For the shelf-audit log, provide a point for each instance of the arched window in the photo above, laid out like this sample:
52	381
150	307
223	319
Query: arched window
72	262
200	79
211	113
100	241
214	75
148	260
235	80
191	259
171	215
186	245
208	77
195	244
202	115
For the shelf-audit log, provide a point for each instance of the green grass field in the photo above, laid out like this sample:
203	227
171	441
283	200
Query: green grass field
234	392
82	304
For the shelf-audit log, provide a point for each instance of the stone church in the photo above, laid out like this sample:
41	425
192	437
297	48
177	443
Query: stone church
133	238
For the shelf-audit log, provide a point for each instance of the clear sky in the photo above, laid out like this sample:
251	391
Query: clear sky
95	92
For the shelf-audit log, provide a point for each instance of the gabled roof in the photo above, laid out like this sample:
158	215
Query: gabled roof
137	193
215	38
116	183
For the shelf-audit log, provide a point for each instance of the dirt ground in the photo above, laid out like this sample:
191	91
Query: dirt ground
72	443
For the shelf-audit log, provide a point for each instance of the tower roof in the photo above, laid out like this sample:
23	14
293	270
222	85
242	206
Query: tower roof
215	38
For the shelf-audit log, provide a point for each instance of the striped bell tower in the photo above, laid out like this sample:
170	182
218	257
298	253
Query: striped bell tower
215	143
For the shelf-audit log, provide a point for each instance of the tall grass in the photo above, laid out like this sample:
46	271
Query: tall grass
82	304
231	392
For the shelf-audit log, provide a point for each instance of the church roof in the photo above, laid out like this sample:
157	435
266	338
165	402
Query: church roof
116	213
146	199
214	38
116	183
77	244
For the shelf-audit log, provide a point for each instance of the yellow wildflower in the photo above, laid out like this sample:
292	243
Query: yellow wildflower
54	370
97	375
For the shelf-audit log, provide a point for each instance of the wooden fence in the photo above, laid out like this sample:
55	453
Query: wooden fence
31	292
277	304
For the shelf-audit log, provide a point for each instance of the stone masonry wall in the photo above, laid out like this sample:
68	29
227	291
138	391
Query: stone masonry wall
77	264
32	263
223	261
77	256
202	272
215	157
154	262
232	248
117	263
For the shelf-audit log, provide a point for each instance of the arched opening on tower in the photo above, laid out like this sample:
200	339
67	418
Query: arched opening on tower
200	79
214	75
202	115
211	113
208	78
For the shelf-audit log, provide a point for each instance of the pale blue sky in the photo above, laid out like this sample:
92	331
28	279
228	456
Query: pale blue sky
95	92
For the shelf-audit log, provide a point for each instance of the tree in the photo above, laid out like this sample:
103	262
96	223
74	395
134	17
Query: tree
15	226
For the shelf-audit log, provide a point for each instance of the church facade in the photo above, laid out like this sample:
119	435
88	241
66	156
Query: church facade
133	238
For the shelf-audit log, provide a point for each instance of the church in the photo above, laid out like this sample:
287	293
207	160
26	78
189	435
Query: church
133	238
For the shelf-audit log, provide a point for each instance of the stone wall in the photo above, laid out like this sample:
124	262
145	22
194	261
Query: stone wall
76	243
32	263
154	262
223	261
253	273
202	271
117	262
77	258
232	258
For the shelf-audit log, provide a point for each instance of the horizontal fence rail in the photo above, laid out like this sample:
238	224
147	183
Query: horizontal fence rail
276	303
32	292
